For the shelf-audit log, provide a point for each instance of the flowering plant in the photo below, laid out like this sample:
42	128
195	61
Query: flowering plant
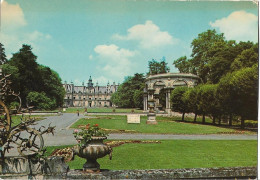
86	134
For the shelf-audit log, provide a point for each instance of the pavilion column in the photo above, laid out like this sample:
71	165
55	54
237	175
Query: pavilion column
145	99
168	100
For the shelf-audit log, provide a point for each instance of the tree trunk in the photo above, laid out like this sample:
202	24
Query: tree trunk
203	118
230	119
182	119
214	120
195	118
219	120
242	122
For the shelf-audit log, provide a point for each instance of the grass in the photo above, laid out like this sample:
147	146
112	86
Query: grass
17	119
103	110
174	154
164	126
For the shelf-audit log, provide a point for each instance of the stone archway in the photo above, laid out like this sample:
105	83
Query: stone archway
154	84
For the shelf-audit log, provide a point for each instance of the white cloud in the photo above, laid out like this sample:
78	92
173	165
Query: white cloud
116	62
12	15
90	57
148	35
13	33
239	25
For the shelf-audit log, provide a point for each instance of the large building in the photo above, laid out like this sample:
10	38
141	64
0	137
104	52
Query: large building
89	95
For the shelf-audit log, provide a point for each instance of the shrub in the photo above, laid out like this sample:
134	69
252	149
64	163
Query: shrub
251	123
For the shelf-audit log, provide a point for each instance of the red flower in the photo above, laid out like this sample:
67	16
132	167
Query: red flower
96	125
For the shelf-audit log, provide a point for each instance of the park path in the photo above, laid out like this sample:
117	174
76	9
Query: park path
64	136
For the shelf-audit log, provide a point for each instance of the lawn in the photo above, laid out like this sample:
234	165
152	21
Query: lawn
17	119
174	154
164	126
103	110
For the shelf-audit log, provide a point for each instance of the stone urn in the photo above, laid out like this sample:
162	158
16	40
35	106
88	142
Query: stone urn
93	150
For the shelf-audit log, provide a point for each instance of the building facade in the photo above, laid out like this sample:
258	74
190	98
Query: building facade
88	95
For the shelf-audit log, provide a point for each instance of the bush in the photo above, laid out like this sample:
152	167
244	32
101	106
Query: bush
40	101
251	123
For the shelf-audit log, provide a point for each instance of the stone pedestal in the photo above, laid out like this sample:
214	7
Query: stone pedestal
151	118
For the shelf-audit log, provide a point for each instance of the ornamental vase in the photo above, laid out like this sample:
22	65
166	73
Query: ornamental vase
93	150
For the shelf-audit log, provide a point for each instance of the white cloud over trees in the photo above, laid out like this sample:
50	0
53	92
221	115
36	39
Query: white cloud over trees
239	25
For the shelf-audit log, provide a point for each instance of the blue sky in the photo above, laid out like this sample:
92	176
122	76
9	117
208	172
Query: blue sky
113	39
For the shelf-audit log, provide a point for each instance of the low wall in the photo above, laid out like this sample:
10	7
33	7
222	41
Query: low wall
196	173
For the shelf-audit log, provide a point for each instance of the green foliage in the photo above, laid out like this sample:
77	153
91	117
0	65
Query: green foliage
183	64
207	101
28	76
178	102
231	67
191	97
86	134
247	58
156	67
40	101
130	92
238	92
251	123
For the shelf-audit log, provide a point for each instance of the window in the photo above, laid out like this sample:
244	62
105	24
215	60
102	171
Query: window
74	97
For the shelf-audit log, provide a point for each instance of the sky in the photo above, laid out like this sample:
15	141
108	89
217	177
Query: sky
110	40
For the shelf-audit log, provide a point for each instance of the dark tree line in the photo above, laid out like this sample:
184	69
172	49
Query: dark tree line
229	79
38	85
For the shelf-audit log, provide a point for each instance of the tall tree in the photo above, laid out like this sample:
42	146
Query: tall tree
156	67
200	48
30	77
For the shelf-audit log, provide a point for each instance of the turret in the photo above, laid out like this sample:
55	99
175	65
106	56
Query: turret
90	83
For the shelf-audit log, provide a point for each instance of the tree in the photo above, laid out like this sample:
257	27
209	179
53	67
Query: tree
207	101
200	57
191	97
51	83
179	103
130	92
156	67
28	76
238	93
2	54
40	101
247	58
183	64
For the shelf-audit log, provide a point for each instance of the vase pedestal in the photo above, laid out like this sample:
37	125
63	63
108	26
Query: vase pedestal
151	118
91	165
